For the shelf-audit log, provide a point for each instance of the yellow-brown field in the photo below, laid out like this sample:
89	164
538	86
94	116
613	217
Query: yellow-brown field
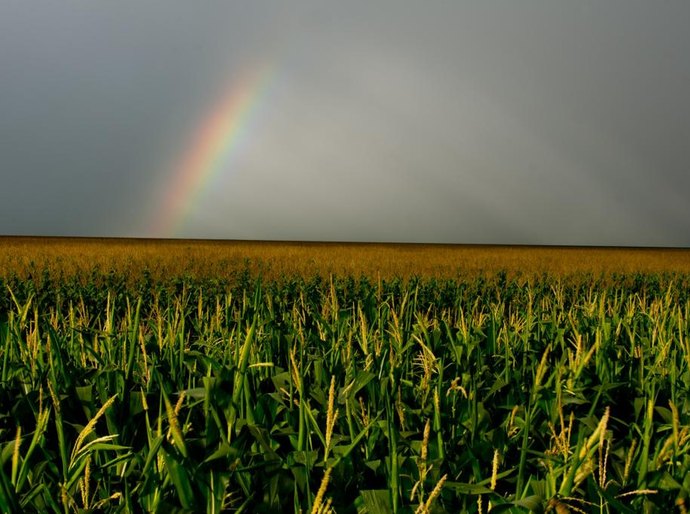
204	259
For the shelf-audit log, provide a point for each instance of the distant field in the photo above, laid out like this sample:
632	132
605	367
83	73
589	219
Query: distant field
67	257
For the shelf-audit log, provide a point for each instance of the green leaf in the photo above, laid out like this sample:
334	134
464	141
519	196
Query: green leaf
531	503
153	451
361	380
374	501
180	478
223	451
8	498
261	435
463	488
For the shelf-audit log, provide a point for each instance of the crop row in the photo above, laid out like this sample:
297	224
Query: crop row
346	396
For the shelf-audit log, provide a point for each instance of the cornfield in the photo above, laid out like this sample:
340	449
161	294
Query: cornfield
346	394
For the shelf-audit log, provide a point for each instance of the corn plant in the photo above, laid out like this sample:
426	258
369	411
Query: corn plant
347	395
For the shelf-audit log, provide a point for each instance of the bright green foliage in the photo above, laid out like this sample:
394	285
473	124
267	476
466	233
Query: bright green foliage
490	396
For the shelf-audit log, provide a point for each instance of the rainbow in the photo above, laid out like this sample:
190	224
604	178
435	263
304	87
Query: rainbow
212	144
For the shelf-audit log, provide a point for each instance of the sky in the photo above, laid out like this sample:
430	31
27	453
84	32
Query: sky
538	122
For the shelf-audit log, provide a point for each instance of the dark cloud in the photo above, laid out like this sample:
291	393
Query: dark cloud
535	122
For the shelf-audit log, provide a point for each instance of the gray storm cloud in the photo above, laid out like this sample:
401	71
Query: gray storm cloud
531	122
